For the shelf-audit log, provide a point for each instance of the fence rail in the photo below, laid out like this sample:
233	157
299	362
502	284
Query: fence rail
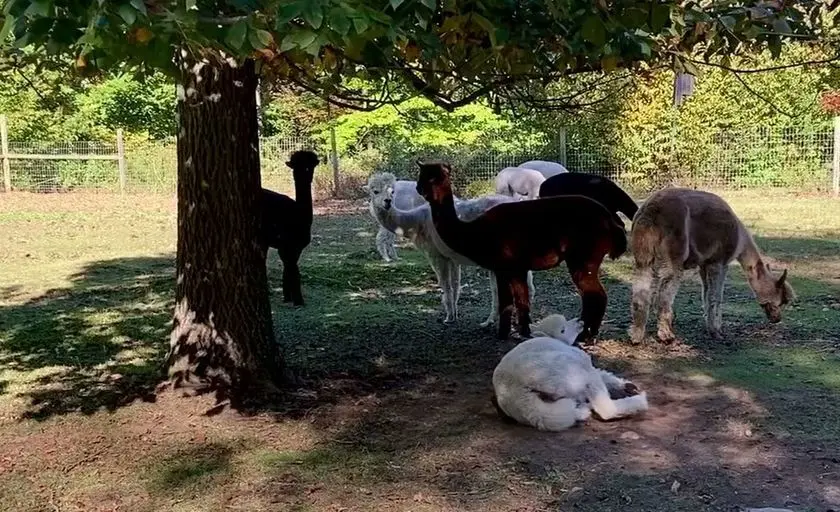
800	158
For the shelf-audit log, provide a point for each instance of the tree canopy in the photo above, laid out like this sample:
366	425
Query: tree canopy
450	51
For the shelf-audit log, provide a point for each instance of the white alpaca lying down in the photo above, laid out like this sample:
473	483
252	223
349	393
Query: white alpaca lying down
550	385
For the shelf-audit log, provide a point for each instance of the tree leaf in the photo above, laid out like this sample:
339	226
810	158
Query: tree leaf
313	15
339	22
728	22
6	29
39	7
127	13
259	39
141	7
396	3
609	63
593	30
360	23
431	4
190	5
303	38
659	16
781	26
421	20
235	37
288	12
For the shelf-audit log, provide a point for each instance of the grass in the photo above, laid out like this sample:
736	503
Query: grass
397	416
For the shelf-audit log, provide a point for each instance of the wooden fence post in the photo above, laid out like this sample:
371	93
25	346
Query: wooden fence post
835	167
121	158
4	152
562	141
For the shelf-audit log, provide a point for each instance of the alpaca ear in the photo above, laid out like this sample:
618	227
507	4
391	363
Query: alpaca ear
366	188
781	282
289	164
419	162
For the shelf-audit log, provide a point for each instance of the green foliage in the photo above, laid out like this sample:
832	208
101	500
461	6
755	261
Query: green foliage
450	51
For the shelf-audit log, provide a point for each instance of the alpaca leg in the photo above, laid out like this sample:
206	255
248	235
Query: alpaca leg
385	244
455	286
494	303
505	305
617	387
713	278
640	303
668	285
291	278
448	268
608	409
441	268
286	284
593	299
519	289
532	292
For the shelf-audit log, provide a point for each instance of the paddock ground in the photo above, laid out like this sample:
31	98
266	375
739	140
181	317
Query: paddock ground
396	413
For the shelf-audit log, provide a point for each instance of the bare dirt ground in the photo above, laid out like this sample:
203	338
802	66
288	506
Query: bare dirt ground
396	412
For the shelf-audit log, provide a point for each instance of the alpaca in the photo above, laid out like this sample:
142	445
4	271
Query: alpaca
599	188
678	229
405	198
547	169
512	238
417	225
287	223
519	183
550	385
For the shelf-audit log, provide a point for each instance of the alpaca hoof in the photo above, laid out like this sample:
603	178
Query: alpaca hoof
584	339
716	335
631	389
666	336
637	336
487	323
448	321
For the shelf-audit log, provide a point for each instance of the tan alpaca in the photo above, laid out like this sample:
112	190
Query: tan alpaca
677	229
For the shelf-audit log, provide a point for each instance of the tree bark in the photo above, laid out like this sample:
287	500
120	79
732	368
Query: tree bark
223	336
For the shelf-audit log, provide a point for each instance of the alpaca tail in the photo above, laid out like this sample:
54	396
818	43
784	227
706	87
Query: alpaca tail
644	240
619	238
608	409
626	205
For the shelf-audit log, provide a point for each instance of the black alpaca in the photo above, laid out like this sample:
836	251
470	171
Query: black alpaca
599	188
287	222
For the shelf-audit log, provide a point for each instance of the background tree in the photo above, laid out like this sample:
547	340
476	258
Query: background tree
452	52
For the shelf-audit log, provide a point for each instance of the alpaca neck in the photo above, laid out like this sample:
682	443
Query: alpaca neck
750	258
393	218
445	216
303	198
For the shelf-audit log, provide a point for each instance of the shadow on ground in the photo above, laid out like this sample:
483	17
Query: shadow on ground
401	404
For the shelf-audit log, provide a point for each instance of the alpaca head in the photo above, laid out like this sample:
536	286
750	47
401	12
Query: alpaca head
433	183
303	164
557	327
380	189
772	293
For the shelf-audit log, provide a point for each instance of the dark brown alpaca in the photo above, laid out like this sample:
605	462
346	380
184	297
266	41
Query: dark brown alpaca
287	222
511	239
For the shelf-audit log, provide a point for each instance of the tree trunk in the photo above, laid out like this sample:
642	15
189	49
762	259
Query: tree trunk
222	337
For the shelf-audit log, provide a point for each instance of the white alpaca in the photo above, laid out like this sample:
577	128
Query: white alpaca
550	385
547	169
417	225
519	183
405	198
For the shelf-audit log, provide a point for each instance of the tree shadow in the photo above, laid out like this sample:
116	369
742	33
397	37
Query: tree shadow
96	344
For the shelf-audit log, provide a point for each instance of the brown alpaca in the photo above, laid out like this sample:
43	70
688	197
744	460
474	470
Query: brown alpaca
512	238
678	229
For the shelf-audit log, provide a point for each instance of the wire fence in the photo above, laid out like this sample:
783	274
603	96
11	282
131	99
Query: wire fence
796	158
